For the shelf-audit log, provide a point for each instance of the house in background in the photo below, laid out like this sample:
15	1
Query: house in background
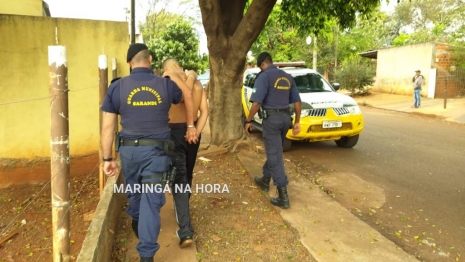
395	67
139	38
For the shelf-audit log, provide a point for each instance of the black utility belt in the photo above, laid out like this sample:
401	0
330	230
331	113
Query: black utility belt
167	145
141	142
277	111
265	113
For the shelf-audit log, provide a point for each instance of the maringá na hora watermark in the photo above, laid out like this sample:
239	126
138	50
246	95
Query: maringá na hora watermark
158	188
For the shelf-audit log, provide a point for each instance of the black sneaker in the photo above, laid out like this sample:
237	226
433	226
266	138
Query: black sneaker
185	241
135	227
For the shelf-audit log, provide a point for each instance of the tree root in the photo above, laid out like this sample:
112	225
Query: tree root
248	143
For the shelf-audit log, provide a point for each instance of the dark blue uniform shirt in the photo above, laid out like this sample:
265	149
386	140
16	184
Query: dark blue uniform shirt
112	101
275	89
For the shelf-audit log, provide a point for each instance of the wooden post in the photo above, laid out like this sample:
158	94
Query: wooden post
114	71
103	86
445	93
59	147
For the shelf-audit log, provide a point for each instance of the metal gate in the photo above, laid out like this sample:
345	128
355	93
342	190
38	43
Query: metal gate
450	84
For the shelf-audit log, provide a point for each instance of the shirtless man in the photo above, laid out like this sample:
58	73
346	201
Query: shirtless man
186	153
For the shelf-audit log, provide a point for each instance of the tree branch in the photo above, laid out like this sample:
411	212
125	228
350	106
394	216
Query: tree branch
251	25
211	15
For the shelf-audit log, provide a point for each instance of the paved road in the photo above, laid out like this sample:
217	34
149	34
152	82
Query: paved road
405	177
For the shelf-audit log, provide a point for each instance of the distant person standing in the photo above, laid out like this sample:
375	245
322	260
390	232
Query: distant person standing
417	82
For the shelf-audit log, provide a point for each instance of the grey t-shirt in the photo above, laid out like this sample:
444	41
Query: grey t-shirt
418	81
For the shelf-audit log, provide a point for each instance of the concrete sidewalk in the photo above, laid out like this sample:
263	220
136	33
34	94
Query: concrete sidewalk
329	231
454	112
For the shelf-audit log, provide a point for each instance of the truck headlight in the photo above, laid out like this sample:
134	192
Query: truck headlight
303	113
353	109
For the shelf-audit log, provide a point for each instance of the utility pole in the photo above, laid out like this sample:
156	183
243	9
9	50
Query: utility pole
103	87
336	34
314	52
133	21
59	147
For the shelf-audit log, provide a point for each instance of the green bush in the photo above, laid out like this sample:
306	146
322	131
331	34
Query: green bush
354	75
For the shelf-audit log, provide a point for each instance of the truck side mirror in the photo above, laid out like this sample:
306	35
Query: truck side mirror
336	86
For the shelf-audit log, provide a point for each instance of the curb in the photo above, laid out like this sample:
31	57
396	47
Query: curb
413	113
98	243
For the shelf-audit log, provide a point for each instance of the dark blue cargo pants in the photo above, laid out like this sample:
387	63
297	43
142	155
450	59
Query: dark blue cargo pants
140	164
275	128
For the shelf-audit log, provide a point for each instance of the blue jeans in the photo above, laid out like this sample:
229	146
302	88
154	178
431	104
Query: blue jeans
416	95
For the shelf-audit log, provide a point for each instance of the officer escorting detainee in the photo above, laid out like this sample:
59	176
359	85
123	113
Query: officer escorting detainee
274	90
143	101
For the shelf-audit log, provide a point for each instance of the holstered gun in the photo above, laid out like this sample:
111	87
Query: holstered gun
168	177
117	142
262	114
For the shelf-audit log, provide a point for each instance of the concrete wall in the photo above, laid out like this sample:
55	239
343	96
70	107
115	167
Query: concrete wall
25	126
396	66
21	7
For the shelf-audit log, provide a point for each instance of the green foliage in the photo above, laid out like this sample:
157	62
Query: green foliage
458	57
178	41
429	20
158	16
282	44
402	39
355	74
157	23
285	44
311	16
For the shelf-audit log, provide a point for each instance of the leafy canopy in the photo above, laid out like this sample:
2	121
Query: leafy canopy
310	17
177	41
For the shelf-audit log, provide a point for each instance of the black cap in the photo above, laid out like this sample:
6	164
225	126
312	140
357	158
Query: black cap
134	49
417	71
261	57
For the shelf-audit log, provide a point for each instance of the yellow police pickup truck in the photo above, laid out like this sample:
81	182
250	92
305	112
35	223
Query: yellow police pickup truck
326	114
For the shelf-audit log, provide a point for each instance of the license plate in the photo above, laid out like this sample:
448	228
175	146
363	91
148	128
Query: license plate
332	124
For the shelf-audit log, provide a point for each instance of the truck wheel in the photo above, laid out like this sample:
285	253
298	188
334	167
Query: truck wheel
287	144
347	142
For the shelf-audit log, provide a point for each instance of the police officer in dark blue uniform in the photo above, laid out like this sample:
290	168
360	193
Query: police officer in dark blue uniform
273	91
143	101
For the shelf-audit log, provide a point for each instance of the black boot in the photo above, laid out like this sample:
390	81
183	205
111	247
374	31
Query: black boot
263	183
146	259
135	227
282	200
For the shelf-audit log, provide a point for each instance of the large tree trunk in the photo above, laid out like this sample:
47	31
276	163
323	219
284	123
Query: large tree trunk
225	104
230	34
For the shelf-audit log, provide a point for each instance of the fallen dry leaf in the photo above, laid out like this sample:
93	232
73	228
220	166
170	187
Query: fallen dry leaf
215	238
